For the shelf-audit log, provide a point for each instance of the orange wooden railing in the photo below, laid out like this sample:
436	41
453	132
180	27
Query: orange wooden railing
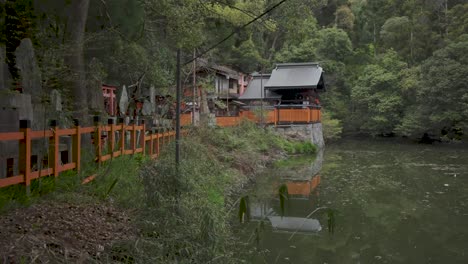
276	116
110	140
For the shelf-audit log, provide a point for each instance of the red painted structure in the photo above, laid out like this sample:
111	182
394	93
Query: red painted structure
110	99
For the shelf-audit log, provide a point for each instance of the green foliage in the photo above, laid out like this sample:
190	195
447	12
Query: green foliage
458	21
127	41
247	56
303	52
332	128
334	44
345	18
396	34
243	209
376	98
443	96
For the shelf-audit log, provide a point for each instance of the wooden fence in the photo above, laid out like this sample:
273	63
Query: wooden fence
114	140
287	115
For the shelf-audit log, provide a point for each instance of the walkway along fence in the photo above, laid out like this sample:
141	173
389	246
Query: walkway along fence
114	140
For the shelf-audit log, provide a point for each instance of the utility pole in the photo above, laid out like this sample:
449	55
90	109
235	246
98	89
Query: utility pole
194	83
261	97
178	95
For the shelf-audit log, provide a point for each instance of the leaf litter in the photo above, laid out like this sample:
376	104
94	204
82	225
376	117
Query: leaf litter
62	232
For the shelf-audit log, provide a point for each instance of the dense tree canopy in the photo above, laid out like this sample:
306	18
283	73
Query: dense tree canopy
392	66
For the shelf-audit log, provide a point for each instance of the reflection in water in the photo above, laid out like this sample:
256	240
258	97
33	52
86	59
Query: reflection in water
302	188
396	203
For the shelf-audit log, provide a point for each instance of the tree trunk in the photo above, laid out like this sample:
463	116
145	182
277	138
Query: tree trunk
204	109
74	59
2	53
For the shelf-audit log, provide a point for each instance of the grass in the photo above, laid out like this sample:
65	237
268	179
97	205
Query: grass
182	215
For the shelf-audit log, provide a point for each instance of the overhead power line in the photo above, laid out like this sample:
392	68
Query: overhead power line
236	31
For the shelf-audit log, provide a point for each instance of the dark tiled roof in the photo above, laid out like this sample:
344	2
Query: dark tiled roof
254	89
205	64
295	76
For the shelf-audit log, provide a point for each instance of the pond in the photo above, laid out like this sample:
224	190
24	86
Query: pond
392	202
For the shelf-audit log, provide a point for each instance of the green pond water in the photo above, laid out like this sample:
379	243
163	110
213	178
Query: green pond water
393	203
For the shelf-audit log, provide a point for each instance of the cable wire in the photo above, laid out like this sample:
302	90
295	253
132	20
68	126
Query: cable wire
235	32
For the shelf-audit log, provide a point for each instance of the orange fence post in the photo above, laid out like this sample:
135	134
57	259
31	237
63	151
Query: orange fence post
278	119
308	114
97	138
134	137
142	136
157	143
54	144
25	154
151	145
76	145
111	137
122	137
275	116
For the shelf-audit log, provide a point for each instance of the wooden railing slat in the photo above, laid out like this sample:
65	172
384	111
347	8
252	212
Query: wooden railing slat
11	181
289	115
4	136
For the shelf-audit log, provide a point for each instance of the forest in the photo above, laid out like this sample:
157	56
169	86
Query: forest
393	67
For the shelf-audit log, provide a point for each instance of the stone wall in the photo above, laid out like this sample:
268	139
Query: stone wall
312	132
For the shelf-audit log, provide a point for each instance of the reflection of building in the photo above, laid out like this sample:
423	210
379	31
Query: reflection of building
300	201
303	188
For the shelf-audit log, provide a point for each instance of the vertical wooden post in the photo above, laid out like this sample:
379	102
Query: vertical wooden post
308	114
134	137
142	136
76	145
157	144
97	138
54	144
275	116
111	137
25	154
151	145
122	136
278	115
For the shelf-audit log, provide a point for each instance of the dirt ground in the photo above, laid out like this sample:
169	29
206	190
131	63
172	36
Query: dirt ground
63	233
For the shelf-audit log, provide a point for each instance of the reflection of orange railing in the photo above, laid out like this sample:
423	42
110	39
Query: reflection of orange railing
303	188
109	141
